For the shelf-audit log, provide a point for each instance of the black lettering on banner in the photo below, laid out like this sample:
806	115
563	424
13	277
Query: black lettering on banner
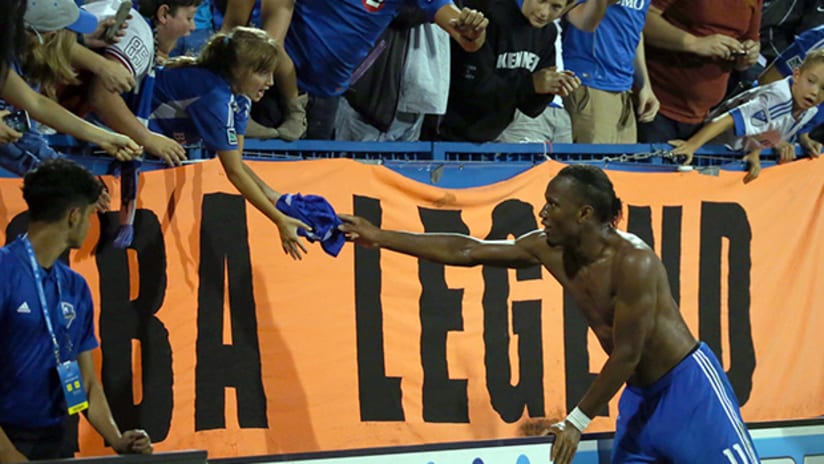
380	396
444	399
671	248
718	221
224	257
512	218
123	320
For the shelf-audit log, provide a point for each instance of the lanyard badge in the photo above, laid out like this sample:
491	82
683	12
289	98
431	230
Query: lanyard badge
69	371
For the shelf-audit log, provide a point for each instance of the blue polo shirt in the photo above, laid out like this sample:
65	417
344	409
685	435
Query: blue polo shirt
30	391
191	104
604	59
328	39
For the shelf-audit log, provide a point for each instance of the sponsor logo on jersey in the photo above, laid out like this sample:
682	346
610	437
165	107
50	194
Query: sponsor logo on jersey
373	6
759	118
633	4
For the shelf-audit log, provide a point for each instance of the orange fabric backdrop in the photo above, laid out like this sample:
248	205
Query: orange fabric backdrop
306	310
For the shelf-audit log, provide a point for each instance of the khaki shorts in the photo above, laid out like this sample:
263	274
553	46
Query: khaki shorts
601	117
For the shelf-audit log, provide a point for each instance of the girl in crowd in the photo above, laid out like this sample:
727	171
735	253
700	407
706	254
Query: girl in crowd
208	98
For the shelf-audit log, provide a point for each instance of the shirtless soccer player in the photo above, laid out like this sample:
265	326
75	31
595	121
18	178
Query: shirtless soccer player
678	405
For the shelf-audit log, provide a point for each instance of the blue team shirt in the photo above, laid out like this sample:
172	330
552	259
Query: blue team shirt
328	39
792	58
604	59
30	391
191	104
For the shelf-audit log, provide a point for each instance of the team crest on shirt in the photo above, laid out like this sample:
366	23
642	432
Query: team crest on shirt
68	313
373	6
759	118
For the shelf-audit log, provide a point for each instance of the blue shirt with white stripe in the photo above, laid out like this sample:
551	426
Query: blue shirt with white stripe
30	391
762	117
193	104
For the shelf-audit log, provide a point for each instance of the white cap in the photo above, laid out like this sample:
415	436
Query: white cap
53	15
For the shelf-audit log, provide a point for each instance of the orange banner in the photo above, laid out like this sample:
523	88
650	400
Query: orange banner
212	338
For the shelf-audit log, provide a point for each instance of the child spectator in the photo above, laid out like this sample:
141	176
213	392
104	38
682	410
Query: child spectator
764	116
208	99
783	66
149	37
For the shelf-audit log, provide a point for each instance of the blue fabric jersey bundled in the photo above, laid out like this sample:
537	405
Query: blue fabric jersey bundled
319	214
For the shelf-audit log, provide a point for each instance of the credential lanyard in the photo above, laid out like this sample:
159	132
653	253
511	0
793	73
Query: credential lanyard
35	269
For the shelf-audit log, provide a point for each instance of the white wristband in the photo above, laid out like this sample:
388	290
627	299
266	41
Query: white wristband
578	419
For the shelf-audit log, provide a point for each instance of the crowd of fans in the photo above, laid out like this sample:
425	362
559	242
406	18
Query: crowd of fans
175	72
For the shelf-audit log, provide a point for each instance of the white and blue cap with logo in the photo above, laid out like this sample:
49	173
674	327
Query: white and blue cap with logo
53	15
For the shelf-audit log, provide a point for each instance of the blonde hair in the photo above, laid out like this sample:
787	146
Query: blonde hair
242	49
813	57
48	64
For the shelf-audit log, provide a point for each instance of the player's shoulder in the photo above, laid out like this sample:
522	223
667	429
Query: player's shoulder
633	255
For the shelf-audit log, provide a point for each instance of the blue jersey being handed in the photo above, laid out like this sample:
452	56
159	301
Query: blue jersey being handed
30	392
604	59
190	104
328	39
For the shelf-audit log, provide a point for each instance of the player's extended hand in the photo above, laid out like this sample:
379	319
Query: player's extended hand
566	442
683	151
134	442
288	229
547	80
7	134
359	230
12	456
165	148
121	147
471	24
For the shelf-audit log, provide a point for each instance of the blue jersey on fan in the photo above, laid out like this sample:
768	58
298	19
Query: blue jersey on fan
192	104
605	58
30	391
328	39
